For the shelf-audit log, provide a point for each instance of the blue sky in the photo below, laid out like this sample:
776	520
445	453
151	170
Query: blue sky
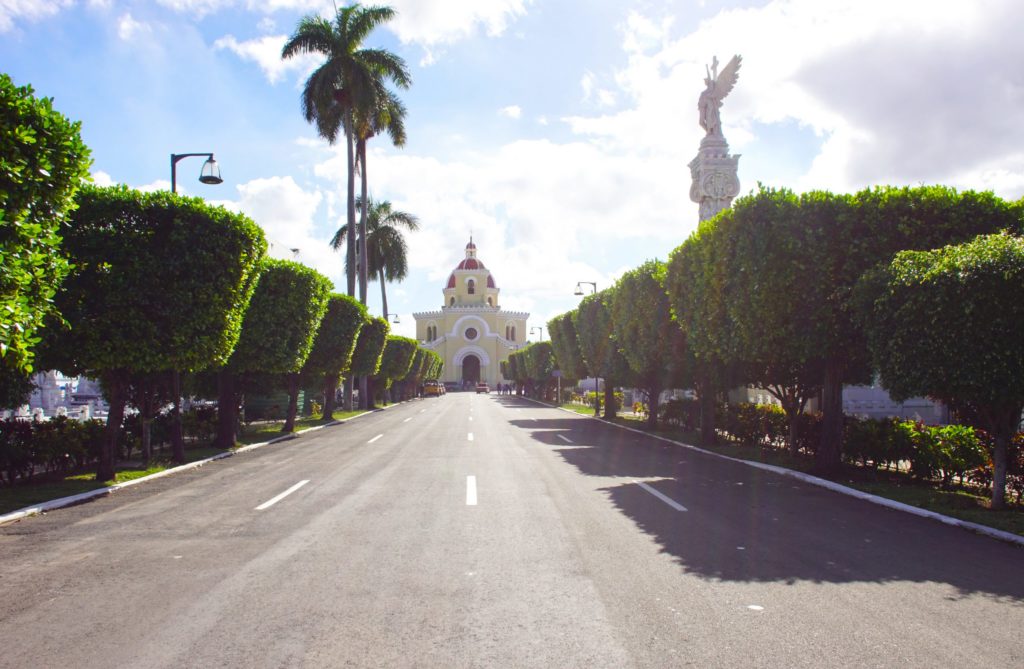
557	132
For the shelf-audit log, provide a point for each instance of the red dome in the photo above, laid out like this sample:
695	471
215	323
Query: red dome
471	263
451	281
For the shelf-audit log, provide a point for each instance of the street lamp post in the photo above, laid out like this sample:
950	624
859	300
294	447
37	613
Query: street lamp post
540	329
597	380
395	321
210	175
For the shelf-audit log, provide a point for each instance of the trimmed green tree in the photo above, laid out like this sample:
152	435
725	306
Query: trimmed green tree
396	360
568	357
647	333
768	275
593	323
334	345
694	284
947	324
276	338
540	363
42	164
850	235
367	357
160	282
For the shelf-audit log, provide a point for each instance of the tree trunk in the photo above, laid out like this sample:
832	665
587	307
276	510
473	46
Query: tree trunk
116	385
652	407
293	402
347	391
177	434
364	263
830	450
383	292
147	446
366	388
1006	426
330	390
350	236
227	409
597	396
609	400
708	435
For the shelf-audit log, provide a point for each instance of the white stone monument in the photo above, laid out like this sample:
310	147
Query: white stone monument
714	171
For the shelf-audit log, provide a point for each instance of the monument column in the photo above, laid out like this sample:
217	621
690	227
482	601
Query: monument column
714	172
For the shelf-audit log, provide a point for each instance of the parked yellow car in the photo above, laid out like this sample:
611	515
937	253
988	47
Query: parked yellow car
433	389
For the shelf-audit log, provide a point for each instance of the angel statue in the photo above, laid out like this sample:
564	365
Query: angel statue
718	86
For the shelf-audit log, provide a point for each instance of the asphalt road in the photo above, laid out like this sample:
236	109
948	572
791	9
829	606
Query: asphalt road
486	531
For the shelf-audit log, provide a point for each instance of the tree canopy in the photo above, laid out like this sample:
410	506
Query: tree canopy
647	333
42	164
947	324
160	282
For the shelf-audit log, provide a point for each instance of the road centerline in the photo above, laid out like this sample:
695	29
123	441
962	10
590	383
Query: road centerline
470	436
375	438
470	491
407	419
274	500
565	439
664	498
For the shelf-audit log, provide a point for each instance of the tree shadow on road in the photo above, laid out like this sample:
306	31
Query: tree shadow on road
746	524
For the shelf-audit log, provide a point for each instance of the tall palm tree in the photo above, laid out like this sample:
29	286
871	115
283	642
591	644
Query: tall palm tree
387	115
349	81
386	250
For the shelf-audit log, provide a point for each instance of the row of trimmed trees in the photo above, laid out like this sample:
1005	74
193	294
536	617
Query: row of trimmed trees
161	282
801	294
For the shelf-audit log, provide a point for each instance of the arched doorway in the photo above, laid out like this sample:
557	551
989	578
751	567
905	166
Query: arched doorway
470	370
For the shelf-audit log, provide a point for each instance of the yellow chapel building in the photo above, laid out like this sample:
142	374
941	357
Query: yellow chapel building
471	332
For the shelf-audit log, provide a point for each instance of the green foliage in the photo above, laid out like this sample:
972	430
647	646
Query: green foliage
593	323
42	164
396	359
283	318
568	356
769	290
373	336
647	334
160	282
57	445
947	323
336	338
433	364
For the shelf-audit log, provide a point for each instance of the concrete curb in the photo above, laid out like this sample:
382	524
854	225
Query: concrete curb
62	502
824	483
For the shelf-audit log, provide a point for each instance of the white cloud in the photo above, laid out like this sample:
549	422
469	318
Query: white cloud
287	212
433	25
128	28
534	208
594	93
161	184
102	179
266	53
512	111
29	10
897	92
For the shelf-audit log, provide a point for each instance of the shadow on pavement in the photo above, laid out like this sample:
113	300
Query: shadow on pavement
746	524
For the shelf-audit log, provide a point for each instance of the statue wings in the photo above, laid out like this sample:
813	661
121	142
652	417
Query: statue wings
728	77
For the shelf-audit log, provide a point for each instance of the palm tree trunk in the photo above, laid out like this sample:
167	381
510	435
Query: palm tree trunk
350	241
363	258
363	264
383	292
